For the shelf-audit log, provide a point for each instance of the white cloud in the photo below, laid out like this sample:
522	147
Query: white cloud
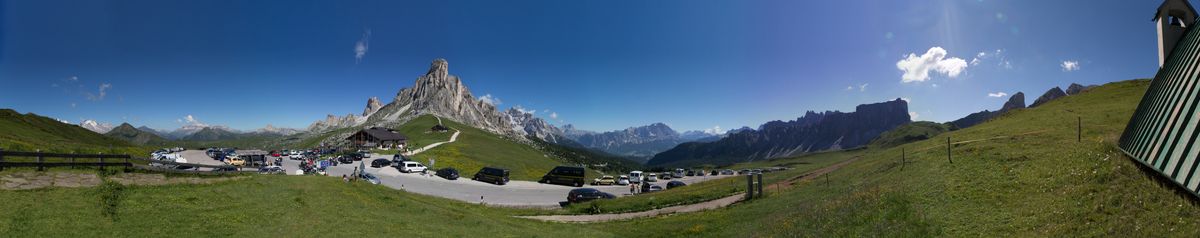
360	47
913	115
851	87
72	105
906	100
553	115
73	79
1069	65
191	120
102	92
489	99
715	130
997	94
916	68
862	87
523	110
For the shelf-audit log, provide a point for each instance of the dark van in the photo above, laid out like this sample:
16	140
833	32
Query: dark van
564	175
496	176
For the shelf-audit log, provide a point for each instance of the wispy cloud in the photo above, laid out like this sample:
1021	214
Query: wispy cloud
862	87
913	115
553	115
489	99
997	94
101	93
524	110
1069	65
916	68
191	120
715	130
360	47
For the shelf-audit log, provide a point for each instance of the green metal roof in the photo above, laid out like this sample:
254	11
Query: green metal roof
1162	134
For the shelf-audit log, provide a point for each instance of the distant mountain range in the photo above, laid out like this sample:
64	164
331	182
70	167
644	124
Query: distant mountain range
1017	101
640	142
831	130
136	136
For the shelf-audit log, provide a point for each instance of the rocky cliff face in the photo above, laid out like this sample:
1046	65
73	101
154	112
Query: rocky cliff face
1053	93
441	94
642	141
373	105
814	132
529	125
134	135
1017	101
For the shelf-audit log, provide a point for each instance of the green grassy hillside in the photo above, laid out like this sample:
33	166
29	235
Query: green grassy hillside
476	148
910	132
262	206
133	135
29	132
1026	175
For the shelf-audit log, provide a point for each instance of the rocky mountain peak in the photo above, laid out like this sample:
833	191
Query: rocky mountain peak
1016	101
373	105
95	126
439	68
1053	93
1076	88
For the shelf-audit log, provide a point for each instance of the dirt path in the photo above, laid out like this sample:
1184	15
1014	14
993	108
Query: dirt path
714	204
453	138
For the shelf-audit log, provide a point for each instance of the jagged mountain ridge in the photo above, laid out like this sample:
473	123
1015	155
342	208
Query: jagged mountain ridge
1017	101
813	132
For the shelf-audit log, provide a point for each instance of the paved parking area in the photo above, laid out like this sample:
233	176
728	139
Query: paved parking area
515	193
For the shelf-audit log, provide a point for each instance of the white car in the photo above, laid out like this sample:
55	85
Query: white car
635	177
651	177
623	180
410	167
296	155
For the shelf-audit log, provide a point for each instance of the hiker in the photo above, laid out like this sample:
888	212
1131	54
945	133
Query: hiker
345	179
632	188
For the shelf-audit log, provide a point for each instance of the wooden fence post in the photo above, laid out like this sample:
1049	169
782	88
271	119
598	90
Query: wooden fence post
902	158
749	186
948	150
1079	129
101	157
39	160
760	185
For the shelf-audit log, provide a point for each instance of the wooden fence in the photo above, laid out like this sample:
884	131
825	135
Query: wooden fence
106	160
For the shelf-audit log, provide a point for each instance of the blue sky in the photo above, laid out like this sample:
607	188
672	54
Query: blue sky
601	65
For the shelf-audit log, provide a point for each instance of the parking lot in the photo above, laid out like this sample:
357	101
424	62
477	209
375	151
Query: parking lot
515	193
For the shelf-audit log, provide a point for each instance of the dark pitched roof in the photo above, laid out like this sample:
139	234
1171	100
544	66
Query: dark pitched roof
384	134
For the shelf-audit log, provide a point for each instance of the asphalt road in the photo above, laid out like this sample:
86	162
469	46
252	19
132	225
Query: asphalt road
516	193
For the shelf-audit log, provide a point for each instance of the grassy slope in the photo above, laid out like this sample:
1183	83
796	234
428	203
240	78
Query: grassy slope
1043	184
476	148
29	132
908	133
263	206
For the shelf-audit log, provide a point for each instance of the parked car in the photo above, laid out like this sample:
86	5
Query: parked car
565	175
235	161
370	178
296	155
744	172
635	177
497	176
409	167
727	172
665	176
651	177
714	172
623	180
379	163
399	158
448	173
675	184
605	180
678	173
690	173
647	188
225	169
274	153
344	159
270	170
587	194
